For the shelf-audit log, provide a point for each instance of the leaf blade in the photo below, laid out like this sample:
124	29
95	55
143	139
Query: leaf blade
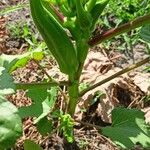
128	128
10	124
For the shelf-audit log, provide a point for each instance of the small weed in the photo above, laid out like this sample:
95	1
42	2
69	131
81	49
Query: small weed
83	144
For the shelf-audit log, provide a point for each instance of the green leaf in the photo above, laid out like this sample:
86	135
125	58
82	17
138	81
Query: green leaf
6	82
12	9
45	126
37	95
128	128
12	62
56	113
49	103
97	10
66	125
43	101
145	33
10	124
30	145
83	86
9	63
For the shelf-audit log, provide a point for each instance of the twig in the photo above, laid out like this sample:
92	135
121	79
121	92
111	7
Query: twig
89	124
136	65
97	127
131	104
119	30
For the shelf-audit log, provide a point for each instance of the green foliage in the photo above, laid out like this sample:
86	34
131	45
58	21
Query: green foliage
83	16
128	128
45	126
11	9
55	37
66	125
83	86
43	101
30	145
127	10
83	144
12	62
28	35
120	12
145	33
97	10
7	85
10	124
48	103
146	99
24	31
15	30
37	95
80	18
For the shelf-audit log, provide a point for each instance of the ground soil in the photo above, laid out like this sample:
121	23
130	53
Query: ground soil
99	65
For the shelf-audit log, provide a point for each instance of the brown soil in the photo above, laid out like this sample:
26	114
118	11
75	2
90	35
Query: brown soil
98	66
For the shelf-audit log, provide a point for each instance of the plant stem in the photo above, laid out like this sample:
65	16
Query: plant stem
73	97
119	30
73	89
25	86
136	65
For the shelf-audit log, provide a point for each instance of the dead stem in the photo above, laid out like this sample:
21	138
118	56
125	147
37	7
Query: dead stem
88	124
96	127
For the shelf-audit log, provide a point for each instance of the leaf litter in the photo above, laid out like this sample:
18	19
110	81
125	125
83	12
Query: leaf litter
100	64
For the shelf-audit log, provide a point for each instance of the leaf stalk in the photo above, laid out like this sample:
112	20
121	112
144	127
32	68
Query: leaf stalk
119	30
123	71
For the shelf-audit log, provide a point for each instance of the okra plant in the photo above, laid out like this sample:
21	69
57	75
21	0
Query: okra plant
66	27
79	17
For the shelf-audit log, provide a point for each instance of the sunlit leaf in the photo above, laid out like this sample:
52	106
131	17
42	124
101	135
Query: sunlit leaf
49	103
12	62
128	128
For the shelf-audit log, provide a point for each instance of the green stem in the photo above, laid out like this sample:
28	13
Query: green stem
90	4
73	97
11	9
73	89
25	86
136	65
